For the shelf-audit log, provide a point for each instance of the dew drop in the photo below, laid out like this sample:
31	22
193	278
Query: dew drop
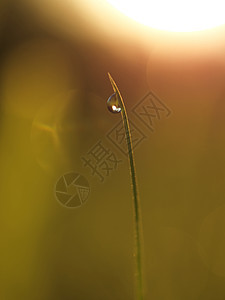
113	104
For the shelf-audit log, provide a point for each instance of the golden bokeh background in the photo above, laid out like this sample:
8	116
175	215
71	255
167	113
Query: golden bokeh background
55	56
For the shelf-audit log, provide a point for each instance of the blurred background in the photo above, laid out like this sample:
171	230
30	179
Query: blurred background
54	58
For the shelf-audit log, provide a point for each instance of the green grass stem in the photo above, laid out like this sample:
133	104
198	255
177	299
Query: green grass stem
136	200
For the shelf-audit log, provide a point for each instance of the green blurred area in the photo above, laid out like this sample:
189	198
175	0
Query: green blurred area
54	86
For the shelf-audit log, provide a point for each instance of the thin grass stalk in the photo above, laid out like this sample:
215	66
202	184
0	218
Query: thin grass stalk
136	200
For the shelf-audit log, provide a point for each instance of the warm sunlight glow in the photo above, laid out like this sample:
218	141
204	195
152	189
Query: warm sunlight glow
174	15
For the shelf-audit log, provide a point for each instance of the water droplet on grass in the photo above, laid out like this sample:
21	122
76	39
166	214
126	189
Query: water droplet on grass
113	104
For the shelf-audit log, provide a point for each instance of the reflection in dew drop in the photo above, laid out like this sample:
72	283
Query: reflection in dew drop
113	104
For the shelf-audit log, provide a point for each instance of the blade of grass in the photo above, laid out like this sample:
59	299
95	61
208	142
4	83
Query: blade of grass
136	201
